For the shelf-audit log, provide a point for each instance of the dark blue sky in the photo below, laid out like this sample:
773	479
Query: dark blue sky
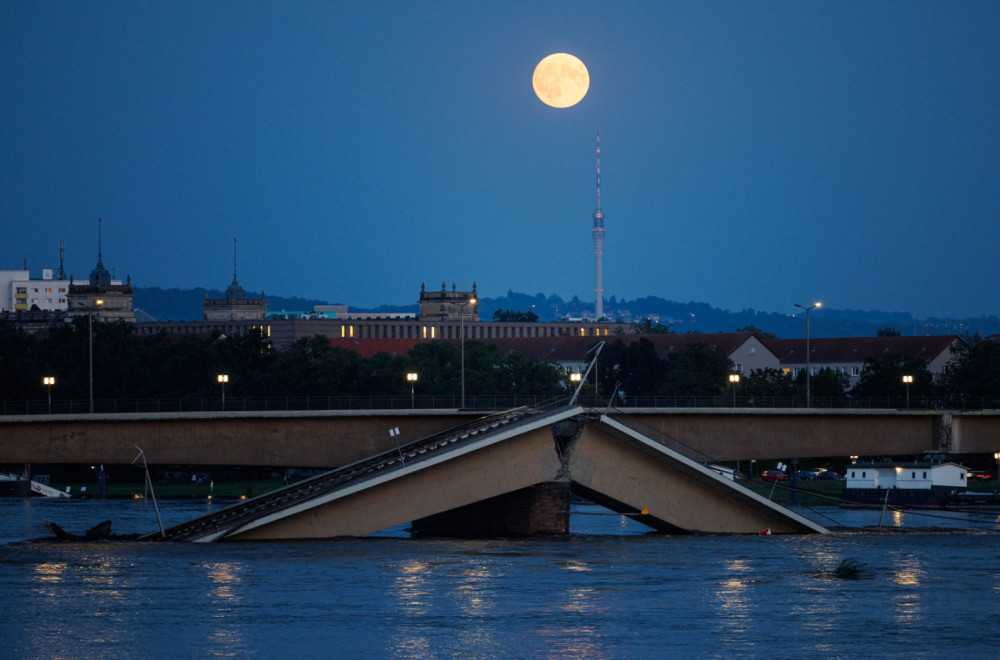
753	154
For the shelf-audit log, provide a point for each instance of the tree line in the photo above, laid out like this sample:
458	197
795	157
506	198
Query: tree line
126	365
635	370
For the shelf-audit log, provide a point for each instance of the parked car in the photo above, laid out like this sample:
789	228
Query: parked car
978	474
773	475
829	474
806	475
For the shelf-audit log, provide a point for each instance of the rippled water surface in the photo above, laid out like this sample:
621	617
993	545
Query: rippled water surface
608	591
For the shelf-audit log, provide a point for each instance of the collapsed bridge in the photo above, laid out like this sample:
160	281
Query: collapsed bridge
512	474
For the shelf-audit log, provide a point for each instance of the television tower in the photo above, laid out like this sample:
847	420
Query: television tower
598	233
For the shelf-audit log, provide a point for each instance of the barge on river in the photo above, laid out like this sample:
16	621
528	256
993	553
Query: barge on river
925	483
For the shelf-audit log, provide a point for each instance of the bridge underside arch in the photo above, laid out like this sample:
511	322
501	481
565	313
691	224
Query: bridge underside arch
518	484
494	470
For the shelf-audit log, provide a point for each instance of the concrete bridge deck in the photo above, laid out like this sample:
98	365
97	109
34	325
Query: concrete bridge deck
330	439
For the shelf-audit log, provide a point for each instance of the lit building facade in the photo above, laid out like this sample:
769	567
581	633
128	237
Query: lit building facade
444	305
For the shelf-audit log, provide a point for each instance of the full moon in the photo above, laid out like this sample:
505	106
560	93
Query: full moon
561	80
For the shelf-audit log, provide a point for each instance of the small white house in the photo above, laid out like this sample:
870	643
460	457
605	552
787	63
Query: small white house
916	483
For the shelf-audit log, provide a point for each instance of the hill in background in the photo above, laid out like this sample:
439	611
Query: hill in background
185	305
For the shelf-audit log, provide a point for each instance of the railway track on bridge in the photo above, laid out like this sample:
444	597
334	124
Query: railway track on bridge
219	524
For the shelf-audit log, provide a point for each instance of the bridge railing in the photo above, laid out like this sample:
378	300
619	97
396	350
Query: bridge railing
272	403
473	402
890	403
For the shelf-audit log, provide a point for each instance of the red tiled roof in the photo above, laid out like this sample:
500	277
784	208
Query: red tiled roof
857	349
559	349
369	347
562	349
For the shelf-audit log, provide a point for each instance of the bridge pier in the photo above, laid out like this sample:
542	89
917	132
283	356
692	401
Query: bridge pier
539	510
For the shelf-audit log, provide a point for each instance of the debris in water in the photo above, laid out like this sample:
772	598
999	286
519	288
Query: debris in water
100	531
849	569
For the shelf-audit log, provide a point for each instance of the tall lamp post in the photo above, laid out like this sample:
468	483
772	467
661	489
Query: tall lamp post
735	380
48	382
574	379
223	379
90	348
412	376
470	301
808	352
907	380
997	457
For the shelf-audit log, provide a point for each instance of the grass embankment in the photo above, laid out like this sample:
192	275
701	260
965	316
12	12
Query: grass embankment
809	493
174	490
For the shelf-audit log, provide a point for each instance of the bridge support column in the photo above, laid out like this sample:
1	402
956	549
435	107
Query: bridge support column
943	433
540	510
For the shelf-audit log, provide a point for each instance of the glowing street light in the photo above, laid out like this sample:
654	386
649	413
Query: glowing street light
735	380
996	477
49	381
223	379
470	301
90	348
906	381
808	353
412	377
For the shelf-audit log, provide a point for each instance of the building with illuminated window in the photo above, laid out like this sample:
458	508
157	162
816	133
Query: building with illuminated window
20	293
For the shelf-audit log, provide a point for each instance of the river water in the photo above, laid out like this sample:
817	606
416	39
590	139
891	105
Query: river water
929	589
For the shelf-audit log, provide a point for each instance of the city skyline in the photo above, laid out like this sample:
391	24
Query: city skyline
756	156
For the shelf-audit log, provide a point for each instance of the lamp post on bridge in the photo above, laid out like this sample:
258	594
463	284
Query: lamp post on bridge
907	380
223	379
734	380
465	304
90	348
808	352
48	382
412	376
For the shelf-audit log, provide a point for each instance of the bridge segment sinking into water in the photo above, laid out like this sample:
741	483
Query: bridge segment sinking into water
510	473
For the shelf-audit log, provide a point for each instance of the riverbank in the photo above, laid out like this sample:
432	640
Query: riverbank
175	490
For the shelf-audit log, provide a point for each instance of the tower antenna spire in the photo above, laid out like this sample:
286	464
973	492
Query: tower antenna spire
234	259
99	243
598	233
62	259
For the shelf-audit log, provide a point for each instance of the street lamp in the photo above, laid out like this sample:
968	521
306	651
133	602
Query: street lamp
412	376
906	381
90	348
735	380
574	378
470	301
49	381
223	379
997	476
808	353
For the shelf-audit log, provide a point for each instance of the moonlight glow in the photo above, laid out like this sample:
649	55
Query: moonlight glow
561	80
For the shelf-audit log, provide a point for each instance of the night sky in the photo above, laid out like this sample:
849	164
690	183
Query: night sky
754	154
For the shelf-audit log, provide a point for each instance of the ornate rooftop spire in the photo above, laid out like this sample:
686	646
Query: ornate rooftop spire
100	274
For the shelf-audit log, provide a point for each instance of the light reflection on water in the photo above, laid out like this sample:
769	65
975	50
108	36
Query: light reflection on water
607	591
733	594
228	636
907	575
